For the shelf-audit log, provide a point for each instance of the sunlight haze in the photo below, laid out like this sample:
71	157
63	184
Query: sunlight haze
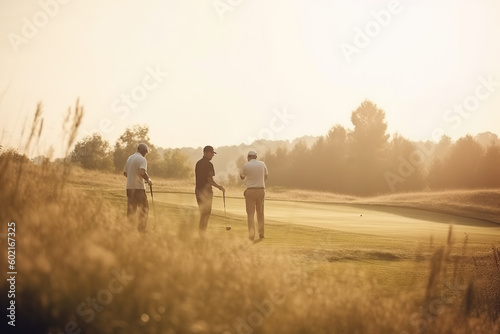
225	72
250	166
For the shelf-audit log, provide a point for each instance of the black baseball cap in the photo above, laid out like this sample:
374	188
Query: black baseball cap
209	149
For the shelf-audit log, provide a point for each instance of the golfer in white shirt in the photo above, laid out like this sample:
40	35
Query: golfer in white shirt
255	173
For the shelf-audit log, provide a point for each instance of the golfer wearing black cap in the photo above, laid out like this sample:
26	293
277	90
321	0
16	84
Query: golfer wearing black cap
205	172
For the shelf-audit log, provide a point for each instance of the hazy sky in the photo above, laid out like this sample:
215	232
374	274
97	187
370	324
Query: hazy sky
224	72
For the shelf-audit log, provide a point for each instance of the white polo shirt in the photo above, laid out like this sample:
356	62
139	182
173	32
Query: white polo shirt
255	170
134	163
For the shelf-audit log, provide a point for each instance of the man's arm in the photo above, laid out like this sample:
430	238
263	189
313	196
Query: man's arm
242	173
145	176
210	179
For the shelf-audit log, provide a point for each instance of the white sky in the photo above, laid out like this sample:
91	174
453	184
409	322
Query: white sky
227	78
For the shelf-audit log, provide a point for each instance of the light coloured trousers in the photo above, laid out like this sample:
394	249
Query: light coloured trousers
254	199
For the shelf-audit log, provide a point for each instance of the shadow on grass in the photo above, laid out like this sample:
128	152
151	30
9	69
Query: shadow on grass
360	255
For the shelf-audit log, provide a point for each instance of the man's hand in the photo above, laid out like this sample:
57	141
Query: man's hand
150	182
222	189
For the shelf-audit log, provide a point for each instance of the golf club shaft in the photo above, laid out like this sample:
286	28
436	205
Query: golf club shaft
153	202
225	216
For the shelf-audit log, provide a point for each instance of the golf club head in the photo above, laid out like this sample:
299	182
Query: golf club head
228	228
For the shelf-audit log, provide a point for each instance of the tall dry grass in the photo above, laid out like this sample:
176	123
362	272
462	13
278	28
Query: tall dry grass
462	294
83	269
72	244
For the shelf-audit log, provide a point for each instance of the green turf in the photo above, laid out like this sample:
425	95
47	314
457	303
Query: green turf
390	246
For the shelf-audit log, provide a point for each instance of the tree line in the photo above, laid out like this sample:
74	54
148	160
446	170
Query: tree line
93	152
363	161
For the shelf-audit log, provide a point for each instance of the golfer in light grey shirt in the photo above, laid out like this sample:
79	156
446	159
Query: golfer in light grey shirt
255	172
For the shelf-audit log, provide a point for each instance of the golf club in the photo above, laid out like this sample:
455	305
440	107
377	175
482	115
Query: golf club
152	201
225	217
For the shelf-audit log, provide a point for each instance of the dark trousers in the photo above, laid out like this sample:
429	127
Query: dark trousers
204	199
136	199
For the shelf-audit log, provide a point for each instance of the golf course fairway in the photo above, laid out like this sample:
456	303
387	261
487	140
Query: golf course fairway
360	219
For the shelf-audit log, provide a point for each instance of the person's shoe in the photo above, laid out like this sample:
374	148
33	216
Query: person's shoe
250	238
261	236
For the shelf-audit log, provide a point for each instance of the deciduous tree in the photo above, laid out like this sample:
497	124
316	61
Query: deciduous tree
127	145
93	152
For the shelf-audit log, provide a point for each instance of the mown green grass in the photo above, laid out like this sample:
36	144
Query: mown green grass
395	263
